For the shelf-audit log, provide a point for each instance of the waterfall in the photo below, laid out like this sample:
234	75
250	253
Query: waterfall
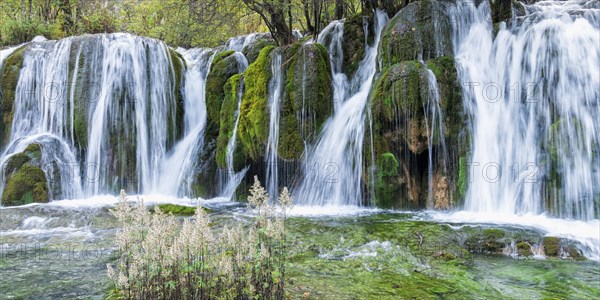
434	124
233	178
275	95
109	100
333	167
137	93
531	91
41	116
332	37
177	168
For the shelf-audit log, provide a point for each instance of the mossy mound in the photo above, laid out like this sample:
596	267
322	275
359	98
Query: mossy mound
254	120
488	241
224	65
9	77
308	97
354	40
551	246
386	184
25	180
252	50
397	106
524	249
180	210
413	34
232	88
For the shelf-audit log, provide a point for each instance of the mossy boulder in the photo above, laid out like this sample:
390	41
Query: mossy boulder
252	50
9	77
253	126
418	31
25	181
308	97
228	115
491	240
355	38
386	183
397	106
551	246
224	65
524	249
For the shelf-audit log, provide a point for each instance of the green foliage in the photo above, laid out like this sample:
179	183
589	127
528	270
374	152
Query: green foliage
160	258
254	120
178	22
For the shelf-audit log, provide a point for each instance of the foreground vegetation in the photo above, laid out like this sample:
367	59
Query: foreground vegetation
160	260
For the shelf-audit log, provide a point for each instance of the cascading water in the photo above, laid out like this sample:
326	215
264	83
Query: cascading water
338	150
434	124
116	109
234	178
41	117
143	117
332	37
533	99
177	168
275	95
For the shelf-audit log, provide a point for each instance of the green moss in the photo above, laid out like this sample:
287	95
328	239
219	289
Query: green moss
551	245
386	183
11	68
524	249
228	117
354	41
180	210
308	93
491	240
574	253
25	186
463	178
221	55
15	162
252	51
224	66
254	121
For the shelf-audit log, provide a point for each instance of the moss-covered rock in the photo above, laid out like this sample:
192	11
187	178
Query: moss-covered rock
355	38
252	50
26	185
490	240
501	10
386	184
9	76
224	65
524	249
418	31
308	97
253	126
551	246
179	210
228	116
